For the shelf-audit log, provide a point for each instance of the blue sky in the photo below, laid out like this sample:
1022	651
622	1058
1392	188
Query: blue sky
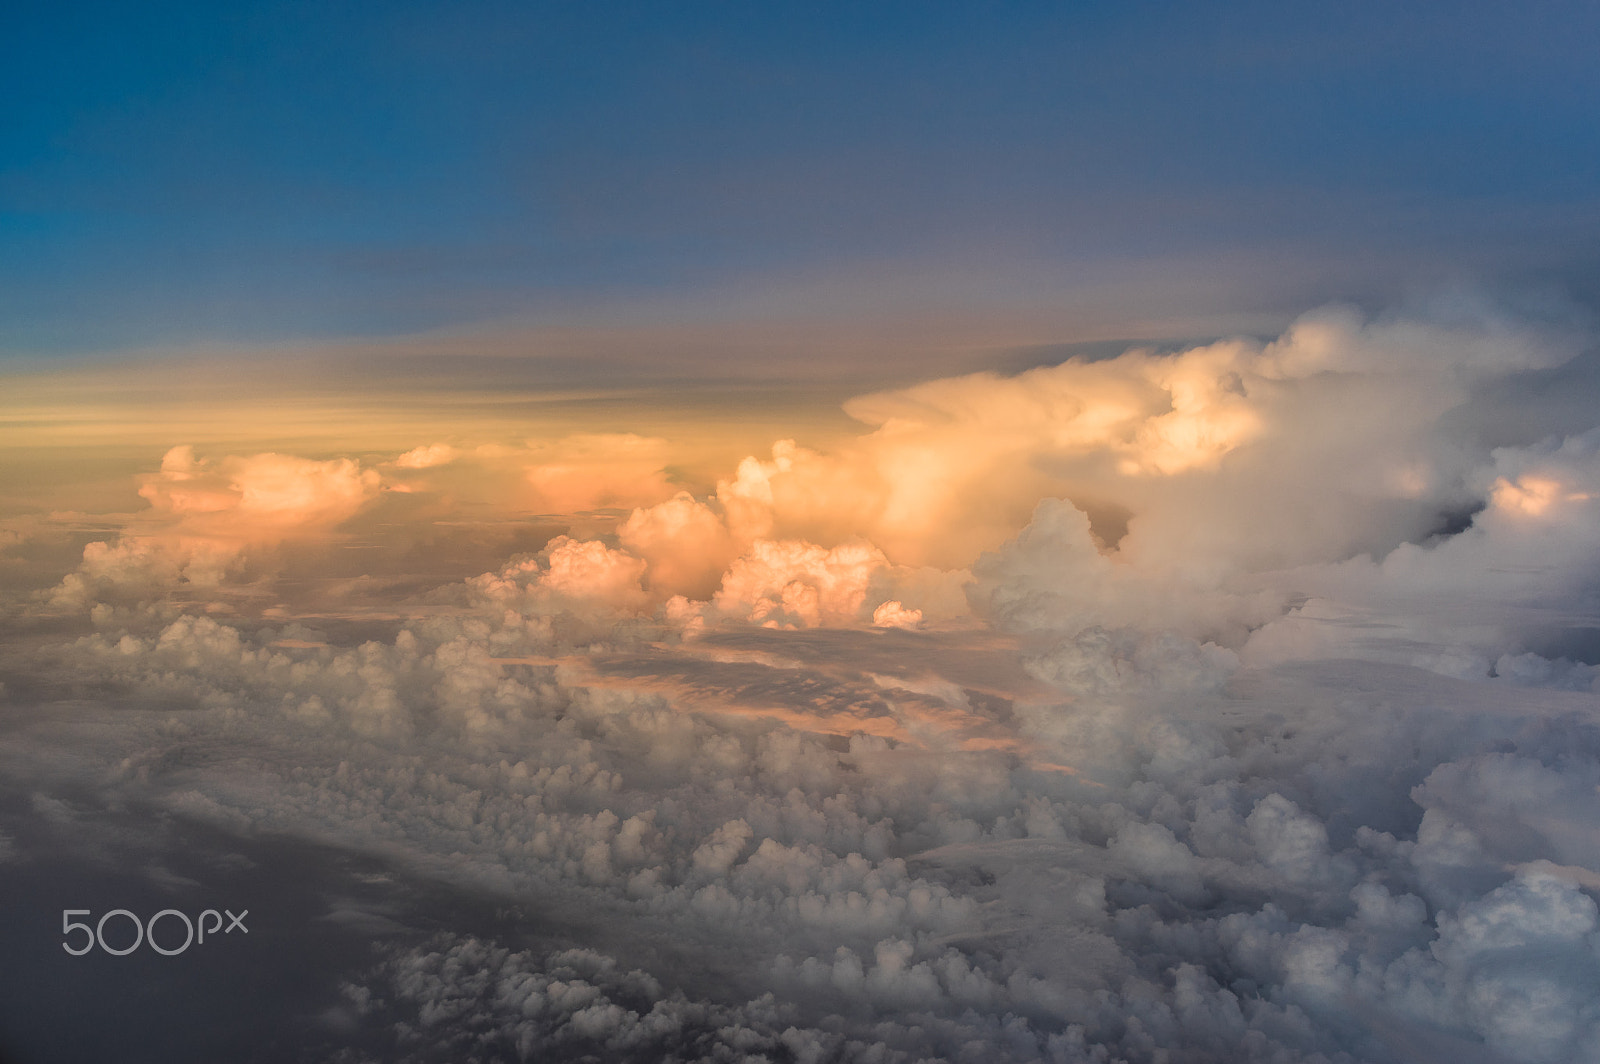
180	173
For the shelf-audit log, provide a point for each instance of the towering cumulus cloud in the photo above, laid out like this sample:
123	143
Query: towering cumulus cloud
1230	704
205	515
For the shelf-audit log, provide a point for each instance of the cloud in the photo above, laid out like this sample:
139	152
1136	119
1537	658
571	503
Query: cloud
1234	455
584	472
685	543
1263	860
427	457
256	498
568	474
1187	749
1506	586
205	514
894	614
787	583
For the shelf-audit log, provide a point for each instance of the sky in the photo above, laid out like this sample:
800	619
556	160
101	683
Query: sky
800	533
174	175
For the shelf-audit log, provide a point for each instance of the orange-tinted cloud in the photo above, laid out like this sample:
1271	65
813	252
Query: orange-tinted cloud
205	513
259	498
685	542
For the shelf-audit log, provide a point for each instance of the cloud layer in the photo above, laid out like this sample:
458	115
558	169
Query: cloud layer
1211	705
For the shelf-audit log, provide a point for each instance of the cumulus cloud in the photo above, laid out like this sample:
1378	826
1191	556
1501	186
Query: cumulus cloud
1509	584
1322	443
427	457
800	584
1170	707
204	514
1296	862
685	543
260	497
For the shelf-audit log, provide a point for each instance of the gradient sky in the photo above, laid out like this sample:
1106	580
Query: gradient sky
192	174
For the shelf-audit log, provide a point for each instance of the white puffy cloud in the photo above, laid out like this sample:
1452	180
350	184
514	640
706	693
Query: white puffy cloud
894	614
788	583
584	575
